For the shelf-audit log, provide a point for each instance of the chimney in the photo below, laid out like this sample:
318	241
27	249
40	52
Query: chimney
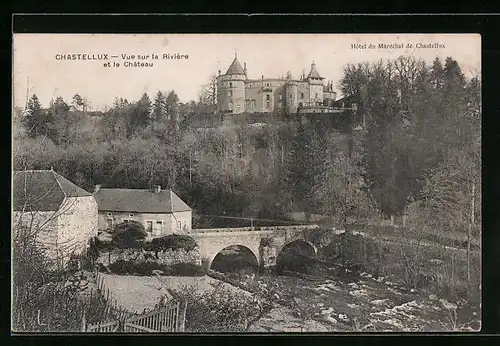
96	188
157	188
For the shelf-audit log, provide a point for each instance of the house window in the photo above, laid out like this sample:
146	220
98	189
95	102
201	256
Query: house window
280	97
268	84
230	104
268	105
179	225
302	96
149	226
268	97
125	220
230	93
316	95
109	214
291	96
230	85
131	215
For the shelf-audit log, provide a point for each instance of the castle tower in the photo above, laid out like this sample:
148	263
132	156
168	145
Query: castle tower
291	94
231	86
315	86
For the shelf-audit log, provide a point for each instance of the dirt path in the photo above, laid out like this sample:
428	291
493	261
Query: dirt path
137	293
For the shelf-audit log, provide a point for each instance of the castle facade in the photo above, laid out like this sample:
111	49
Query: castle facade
239	94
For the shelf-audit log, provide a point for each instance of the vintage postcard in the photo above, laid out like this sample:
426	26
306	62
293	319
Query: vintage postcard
223	183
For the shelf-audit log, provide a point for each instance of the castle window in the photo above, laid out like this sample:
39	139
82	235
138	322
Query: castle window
316	95
302	96
268	97
268	84
268	105
230	85
291	96
230	93
280	97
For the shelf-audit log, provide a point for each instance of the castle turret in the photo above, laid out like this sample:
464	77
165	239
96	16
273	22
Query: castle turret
315	86
291	96
231	85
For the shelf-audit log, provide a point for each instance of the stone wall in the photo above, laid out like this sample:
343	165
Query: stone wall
167	257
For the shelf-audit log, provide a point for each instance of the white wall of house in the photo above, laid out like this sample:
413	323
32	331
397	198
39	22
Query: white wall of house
65	230
77	223
157	224
181	221
43	224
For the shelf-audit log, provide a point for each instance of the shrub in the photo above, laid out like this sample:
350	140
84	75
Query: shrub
173	242
129	235
122	267
187	269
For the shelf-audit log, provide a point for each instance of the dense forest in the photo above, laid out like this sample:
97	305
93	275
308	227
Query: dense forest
412	148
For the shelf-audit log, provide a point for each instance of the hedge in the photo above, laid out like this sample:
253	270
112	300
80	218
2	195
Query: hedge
122	267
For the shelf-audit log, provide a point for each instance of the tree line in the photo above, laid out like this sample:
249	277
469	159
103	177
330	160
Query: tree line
416	149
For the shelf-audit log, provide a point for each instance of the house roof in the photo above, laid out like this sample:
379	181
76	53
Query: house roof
42	190
139	201
314	73
347	100
235	67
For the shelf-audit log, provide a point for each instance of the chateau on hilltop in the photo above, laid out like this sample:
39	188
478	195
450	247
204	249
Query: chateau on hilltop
239	94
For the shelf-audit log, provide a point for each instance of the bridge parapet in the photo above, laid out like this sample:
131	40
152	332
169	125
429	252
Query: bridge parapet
253	229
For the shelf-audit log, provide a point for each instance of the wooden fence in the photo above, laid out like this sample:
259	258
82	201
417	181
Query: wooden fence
169	318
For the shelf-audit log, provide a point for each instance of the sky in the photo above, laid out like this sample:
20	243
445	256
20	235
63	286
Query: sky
36	69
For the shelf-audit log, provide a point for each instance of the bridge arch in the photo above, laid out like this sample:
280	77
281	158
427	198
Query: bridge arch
289	255
295	242
234	247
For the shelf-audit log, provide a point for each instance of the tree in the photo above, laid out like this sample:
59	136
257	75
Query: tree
63	120
339	190
172	106
208	94
159	111
140	115
80	103
36	121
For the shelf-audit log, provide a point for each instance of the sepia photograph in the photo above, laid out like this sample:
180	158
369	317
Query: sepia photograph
246	183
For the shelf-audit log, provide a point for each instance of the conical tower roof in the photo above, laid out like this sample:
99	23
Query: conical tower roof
235	67
314	73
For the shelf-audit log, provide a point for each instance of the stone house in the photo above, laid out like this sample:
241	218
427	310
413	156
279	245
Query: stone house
161	212
62	215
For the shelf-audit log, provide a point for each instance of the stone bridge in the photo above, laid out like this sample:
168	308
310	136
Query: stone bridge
265	242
